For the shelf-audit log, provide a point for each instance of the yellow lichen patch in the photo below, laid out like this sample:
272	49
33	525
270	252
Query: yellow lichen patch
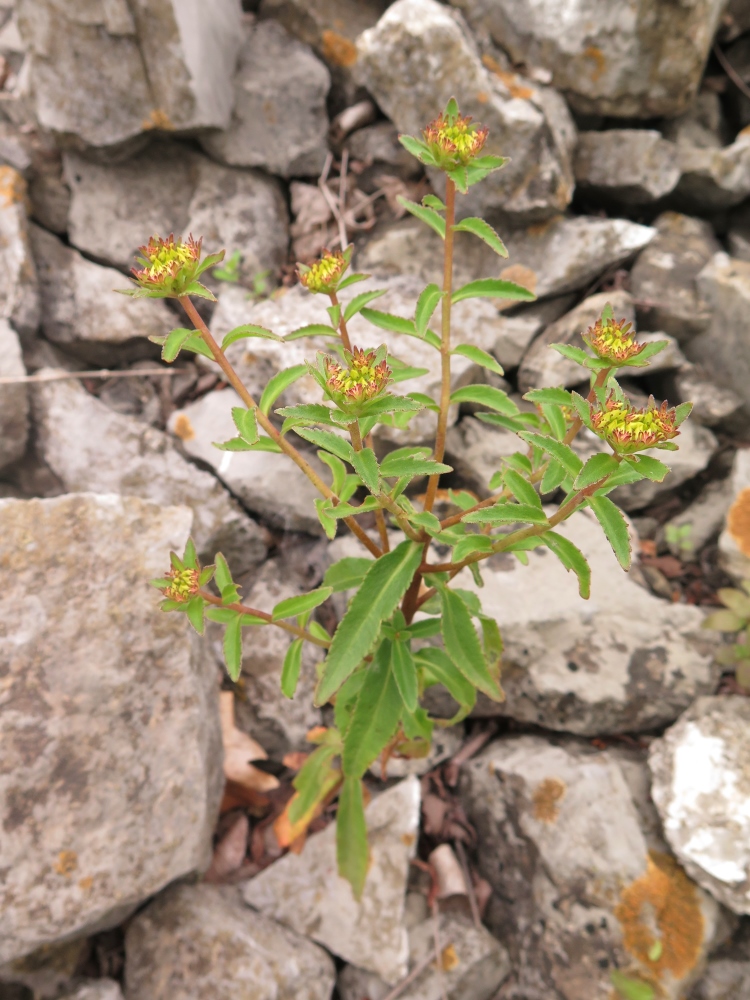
597	57
66	864
738	521
182	428
338	49
12	186
547	796
158	119
449	960
86	884
510	80
662	906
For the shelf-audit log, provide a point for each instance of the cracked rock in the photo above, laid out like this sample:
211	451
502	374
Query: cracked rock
714	178
113	775
628	166
14	399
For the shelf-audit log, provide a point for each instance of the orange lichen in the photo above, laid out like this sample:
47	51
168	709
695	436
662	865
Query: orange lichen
66	864
546	799
449	960
183	429
510	80
738	521
662	906
597	57
158	119
12	186
86	884
338	49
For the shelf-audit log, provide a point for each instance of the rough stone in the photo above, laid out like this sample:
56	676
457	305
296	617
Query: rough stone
734	548
713	405
420	54
607	665
96	989
19	293
476	451
305	892
445	743
578	887
91	448
481	965
81	315
641	60
663	278
94	67
714	178
169	189
700	787
702	126
14	399
196	941
628	166
725	979
705	516
518	331
377	145
112	776
279	121
738	235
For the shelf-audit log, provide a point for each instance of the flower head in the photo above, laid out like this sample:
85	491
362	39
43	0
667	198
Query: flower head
628	429
613	341
366	377
453	140
183	584
169	266
325	274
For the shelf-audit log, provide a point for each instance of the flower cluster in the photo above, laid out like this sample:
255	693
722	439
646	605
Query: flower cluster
325	274
453	140
170	268
628	429
183	584
366	377
613	341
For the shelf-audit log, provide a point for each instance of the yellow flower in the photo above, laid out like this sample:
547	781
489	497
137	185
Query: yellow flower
613	341
325	274
453	140
184	584
365	378
628	429
170	268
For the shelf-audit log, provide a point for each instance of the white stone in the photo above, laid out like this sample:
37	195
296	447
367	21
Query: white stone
96	989
14	399
19	293
629	166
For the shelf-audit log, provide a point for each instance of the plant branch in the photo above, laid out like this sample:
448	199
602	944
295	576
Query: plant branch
577	424
343	332
379	516
245	610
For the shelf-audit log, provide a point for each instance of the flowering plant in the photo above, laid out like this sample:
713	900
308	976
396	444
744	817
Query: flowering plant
406	626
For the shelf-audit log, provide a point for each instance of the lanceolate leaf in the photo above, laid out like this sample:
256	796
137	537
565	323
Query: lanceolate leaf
233	647
426	304
479	357
442	670
299	605
508	513
559	451
347	573
597	468
173	342
387	321
352	853
493	288
366	466
572	559
427	215
405	674
396	467
462	644
649	467
313	330
281	381
328	441
291	668
246	424
359	301
248	330
313	783
484	231
382	588
522	489
376	715
614	526
485	395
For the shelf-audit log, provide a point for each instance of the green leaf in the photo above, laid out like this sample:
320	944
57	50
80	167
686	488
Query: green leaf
485	395
384	585
335	313
233	647
482	229
554	416
312	330
572	559
492	288
462	644
440	669
366	466
337	468
682	412
194	611
190	556
281	381
352	852
375	717
323	509
223	573
492	641
418	149
237	444
649	467
559	396
315	779
248	330
507	513
631	989
615	527
347	573
396	467
553	476
352	510
299	605
196	288
387	321
723	621
359	301
479	357
521	489
351	279
648	352
173	343
596	468
559	451
433	201
426	304
328	441
425	214
405	674
469	544
246	423
425	628
290	670
426	519
576	354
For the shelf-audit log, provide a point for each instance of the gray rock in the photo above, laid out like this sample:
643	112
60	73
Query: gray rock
628	166
279	121
702	126
81	315
169	189
723	350
195	941
638	60
714	178
378	145
700	789
518	331
481	965
725	979
734	545
705	516
19	294
96	989
14	399
578	888
47	972
713	404
663	279
607	665
305	892
420	54
112	95
476	451
123	761
738	236
91	448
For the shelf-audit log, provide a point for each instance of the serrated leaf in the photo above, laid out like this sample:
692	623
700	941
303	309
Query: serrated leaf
614	526
366	466
352	510
485	232
375	717
554	476
559	451
312	330
323	509
479	357
426	305
649	467
196	288
299	605
576	354
469	544
492	288
248	330
486	395
223	573
462	644
347	573
424	214
237	444
313	782
351	279
396	467
190	556
405	674
194	612
246	424
418	149
559	396
554	416
280	381
352	852
338	470
328	441
233	647
173	343
442	670
682	412
384	585
572	559
507	513
596	468
425	628
426	519
291	668
522	489
359	301
387	321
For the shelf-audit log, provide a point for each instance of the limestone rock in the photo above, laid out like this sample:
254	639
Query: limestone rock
92	448
713	405
705	516
663	278
628	166
420	54
476	451
641	60
481	965
725	979
279	120
169	189
518	331
700	789
576	880
196	941
81	315
113	774
734	543
702	126
96	989
622	661
714	178
14	399
19	294
305	892
105	73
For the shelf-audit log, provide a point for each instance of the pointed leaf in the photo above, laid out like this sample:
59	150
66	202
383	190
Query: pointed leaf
576	354
522	489
596	468
352	852
425	214
173	343
233	647
359	301
426	304
442	670
486	395
649	467
328	441
615	527
281	381
375	717
462	644
223	573
313	330
508	513
572	559
246	423
559	396
194	611
493	288
484	231
347	573
559	451
299	605
387	321
248	330
396	467
405	674
291	668
479	357
553	476
366	466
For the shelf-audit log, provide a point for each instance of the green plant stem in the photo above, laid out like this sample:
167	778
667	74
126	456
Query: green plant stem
343	332
577	424
292	629
379	516
400	515
236	382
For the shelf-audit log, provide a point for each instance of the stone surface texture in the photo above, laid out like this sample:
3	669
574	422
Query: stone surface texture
14	399
700	787
631	166
420	54
734	547
639	60
95	66
96	989
110	737
19	293
577	881
305	892
715	178
196	941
